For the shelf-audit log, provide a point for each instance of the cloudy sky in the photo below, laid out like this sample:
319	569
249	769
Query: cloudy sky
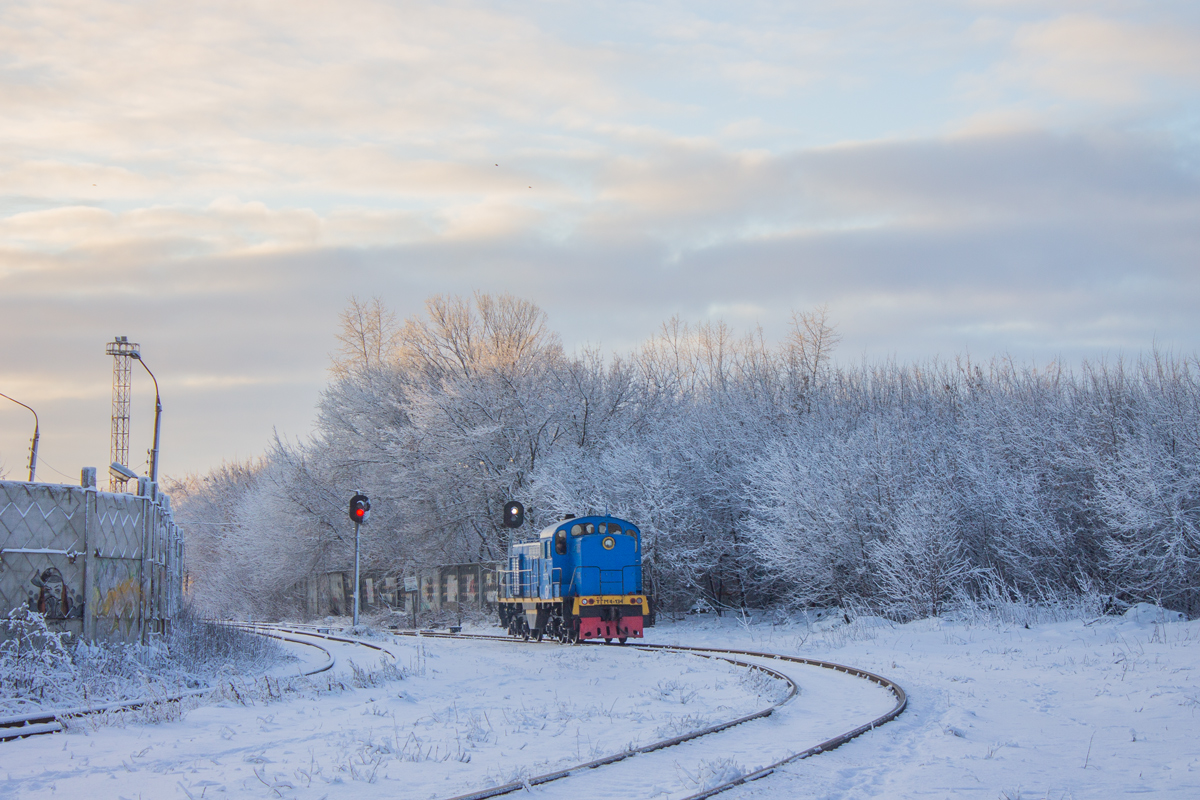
215	180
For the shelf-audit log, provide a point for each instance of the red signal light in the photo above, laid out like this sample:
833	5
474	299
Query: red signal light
360	508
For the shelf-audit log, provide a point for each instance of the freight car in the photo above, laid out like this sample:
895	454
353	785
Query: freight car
581	578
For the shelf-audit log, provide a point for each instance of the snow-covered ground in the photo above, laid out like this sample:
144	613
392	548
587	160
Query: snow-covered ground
467	715
1084	709
1081	709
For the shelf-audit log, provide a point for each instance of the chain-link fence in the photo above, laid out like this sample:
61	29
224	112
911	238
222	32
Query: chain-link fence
103	566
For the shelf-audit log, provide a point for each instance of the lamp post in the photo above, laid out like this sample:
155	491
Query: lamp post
33	448
157	417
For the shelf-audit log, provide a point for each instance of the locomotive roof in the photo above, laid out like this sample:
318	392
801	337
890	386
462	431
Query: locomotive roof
548	532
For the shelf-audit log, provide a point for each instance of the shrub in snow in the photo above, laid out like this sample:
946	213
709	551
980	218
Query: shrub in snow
367	678
712	773
35	661
763	684
41	668
214	646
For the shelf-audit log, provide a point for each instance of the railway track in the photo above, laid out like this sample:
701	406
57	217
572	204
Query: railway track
48	721
748	658
620	772
765	662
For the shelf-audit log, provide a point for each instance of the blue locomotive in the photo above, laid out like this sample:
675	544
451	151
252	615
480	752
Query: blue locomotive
581	578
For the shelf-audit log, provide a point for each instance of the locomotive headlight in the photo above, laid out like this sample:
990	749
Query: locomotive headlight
609	542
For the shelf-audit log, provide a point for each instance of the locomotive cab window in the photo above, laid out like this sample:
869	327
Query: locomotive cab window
577	530
560	542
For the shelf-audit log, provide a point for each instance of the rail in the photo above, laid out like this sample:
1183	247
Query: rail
731	655
48	721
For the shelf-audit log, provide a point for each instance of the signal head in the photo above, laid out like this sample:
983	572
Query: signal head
360	508
514	514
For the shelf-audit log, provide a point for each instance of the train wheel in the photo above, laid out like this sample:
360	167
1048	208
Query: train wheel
623	639
607	640
537	634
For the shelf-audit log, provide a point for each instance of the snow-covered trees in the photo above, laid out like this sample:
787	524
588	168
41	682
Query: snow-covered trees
758	473
1148	480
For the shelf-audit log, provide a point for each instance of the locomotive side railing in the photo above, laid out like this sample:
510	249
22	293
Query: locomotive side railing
512	581
527	582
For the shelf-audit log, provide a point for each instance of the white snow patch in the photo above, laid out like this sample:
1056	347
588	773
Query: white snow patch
1092	708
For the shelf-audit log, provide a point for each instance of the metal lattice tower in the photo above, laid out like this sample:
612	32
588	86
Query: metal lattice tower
122	350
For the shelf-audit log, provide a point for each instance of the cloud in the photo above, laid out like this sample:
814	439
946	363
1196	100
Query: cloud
216	180
1095	58
180	79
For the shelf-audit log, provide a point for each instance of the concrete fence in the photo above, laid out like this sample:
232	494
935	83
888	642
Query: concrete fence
104	566
455	587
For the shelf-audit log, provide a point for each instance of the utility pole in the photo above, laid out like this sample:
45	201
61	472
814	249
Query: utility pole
33	447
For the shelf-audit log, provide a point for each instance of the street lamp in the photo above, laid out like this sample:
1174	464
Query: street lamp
157	417
36	435
124	471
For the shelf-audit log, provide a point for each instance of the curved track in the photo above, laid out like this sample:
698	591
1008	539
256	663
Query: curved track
621	771
765	662
283	632
43	722
761	661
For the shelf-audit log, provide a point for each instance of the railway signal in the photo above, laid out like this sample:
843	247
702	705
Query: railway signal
514	514
360	512
360	508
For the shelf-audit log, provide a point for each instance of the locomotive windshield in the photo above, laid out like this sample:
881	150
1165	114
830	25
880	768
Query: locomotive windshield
587	528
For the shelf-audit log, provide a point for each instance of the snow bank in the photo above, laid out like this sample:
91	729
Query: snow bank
1149	614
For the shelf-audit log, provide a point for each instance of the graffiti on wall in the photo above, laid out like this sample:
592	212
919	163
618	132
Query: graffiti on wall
118	597
54	597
